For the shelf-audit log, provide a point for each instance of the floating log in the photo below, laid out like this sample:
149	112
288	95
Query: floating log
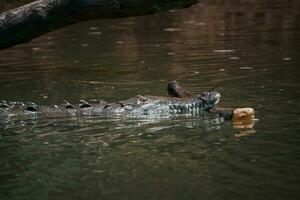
22	24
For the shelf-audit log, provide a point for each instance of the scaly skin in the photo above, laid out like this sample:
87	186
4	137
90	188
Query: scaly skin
137	106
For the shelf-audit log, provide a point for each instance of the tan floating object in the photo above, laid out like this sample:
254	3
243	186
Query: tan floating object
243	114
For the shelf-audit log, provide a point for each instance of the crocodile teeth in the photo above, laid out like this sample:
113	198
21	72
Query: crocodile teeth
175	107
193	106
203	105
180	108
185	108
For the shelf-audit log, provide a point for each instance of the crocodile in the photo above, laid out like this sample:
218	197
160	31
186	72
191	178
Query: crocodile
174	104
237	115
175	90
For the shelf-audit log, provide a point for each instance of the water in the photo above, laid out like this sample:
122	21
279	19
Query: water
250	48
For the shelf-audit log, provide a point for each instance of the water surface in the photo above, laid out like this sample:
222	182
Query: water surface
250	48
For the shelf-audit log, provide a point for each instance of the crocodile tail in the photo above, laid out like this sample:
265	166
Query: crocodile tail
13	107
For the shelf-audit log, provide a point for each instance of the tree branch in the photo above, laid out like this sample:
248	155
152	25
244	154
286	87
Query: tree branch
22	24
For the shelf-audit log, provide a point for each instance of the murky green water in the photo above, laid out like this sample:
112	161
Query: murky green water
250	48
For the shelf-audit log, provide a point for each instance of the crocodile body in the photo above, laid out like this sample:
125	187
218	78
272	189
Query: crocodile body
136	106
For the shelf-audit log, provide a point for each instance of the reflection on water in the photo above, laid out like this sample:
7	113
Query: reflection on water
104	157
249	48
207	121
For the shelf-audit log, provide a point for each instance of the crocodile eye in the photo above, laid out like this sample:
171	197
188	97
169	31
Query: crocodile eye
143	99
204	94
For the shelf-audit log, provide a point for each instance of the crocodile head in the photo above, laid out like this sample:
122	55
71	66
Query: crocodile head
145	105
210	98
